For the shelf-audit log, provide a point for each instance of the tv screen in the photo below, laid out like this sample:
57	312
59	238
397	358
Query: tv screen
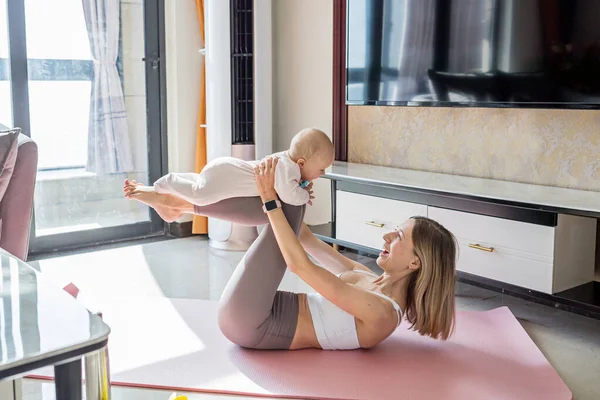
499	53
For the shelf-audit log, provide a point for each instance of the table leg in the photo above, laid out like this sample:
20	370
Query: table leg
68	380
10	389
93	389
18	388
97	376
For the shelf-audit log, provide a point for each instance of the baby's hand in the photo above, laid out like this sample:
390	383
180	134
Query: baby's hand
308	188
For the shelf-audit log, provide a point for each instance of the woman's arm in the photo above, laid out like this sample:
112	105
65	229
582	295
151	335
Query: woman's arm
363	305
328	257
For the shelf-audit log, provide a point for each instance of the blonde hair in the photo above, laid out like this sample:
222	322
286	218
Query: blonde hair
430	306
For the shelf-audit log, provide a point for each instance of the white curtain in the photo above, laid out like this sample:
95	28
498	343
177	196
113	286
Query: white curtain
109	149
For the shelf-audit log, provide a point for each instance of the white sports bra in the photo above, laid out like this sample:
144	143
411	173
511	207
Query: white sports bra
335	328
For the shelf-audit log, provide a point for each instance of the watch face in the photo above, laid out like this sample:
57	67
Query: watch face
270	205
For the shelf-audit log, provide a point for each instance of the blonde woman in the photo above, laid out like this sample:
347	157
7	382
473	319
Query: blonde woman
351	307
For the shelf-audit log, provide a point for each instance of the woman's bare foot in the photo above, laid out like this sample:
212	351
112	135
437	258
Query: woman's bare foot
147	195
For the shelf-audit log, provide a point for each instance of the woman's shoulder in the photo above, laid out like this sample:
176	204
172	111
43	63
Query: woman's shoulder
357	276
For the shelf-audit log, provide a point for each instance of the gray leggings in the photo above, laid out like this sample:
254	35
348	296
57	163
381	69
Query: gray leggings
252	311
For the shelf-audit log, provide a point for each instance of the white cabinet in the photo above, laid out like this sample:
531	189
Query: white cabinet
547	259
543	258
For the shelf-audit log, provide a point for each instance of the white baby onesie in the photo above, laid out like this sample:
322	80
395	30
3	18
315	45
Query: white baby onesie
227	177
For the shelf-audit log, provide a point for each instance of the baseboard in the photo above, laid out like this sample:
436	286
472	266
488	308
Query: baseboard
180	229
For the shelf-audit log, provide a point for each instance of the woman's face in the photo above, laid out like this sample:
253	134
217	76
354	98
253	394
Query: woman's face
398	253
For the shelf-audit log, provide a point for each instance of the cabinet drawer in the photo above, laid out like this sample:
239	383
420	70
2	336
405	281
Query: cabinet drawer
363	219
356	231
497	232
531	273
376	209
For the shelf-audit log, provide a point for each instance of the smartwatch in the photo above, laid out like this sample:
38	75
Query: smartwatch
271	205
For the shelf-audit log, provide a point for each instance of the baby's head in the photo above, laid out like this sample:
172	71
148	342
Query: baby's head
312	150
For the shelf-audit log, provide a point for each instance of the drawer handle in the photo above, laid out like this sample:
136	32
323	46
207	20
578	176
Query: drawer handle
373	223
479	247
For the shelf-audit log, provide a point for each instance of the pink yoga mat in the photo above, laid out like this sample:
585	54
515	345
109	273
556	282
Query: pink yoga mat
176	344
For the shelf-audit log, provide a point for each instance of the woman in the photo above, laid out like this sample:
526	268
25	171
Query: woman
352	307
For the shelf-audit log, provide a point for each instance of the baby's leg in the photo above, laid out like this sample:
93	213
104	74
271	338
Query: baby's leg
220	179
168	207
180	184
200	189
241	210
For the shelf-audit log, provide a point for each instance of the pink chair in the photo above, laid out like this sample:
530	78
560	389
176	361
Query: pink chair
16	206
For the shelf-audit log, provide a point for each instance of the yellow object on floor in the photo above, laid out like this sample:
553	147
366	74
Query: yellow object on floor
175	397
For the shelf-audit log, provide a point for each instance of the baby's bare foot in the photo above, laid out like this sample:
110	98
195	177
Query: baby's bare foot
132	187
148	196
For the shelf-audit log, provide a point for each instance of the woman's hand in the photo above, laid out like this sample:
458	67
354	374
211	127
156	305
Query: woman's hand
265	178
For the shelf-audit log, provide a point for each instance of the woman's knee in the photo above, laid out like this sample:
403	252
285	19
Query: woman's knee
232	326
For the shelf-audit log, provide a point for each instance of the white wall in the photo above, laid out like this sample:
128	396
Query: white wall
302	86
184	68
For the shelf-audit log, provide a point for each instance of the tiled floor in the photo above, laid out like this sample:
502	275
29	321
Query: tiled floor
188	268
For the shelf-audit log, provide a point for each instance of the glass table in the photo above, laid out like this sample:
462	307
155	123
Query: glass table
42	325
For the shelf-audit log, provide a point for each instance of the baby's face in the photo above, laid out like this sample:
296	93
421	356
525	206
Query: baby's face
315	167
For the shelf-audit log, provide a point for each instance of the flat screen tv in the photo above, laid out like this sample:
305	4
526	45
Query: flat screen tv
483	53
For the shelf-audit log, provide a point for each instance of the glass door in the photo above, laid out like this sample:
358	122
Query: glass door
89	83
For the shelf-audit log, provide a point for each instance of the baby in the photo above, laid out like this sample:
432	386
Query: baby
310	153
